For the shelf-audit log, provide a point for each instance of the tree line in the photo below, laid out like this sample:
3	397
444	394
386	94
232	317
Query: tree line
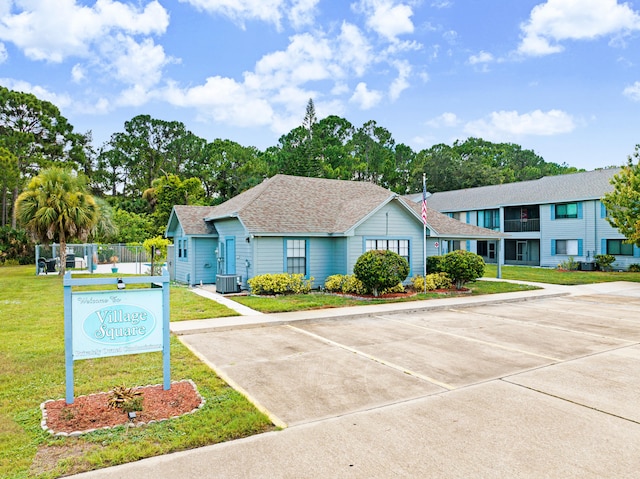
142	171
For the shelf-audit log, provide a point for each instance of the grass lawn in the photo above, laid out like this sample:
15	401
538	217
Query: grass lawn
554	276
32	362
302	302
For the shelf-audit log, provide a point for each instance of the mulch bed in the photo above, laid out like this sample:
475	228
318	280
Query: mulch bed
89	413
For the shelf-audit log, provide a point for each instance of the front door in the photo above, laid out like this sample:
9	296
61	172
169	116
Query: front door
230	263
521	251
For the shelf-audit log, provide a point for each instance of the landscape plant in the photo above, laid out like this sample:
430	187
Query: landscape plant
280	283
433	281
569	264
462	267
604	261
380	269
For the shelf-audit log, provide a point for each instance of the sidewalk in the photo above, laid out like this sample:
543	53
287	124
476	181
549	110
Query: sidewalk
249	318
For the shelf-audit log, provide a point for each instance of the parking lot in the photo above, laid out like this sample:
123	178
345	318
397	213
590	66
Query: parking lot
327	368
543	388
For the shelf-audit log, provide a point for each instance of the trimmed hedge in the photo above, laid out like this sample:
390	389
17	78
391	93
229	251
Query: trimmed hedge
434	281
282	283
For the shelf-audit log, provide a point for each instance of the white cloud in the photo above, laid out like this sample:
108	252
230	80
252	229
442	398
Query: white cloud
364	97
3	53
61	101
302	12
482	57
633	91
447	119
53	31
401	82
78	73
388	18
557	20
509	124
225	100
353	49
239	11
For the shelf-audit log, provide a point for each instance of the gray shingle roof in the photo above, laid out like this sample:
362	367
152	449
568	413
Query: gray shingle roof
295	205
192	219
444	226
550	189
291	204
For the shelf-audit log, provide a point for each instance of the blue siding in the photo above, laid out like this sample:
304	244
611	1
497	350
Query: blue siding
232	229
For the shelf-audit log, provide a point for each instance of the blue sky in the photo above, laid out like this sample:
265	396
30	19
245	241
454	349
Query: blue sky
560	77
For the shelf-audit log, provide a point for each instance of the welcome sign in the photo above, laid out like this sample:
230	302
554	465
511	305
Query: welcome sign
113	323
107	323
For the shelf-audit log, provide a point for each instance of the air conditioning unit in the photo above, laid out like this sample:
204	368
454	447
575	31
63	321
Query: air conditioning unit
227	283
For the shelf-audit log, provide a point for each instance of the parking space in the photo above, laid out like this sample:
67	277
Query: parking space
309	371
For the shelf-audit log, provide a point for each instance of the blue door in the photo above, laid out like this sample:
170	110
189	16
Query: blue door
230	263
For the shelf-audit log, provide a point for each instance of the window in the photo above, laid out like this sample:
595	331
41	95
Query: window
182	249
568	247
397	246
297	256
489	219
486	249
179	248
567	210
618	247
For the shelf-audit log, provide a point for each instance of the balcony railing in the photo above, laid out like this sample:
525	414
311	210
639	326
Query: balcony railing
521	226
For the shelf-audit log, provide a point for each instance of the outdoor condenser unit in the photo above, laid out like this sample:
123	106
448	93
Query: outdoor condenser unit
227	283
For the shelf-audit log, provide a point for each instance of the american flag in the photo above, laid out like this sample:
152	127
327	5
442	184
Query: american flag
424	202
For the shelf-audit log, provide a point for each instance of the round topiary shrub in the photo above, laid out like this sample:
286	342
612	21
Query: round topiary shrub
462	267
379	270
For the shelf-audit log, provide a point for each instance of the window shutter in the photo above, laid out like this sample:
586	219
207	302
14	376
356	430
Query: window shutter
580	210
603	246
636	252
553	247
553	212
481	218
468	217
603	210
468	244
579	247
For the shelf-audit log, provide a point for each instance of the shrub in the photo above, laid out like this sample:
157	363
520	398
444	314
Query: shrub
282	283
16	247
434	264
434	281
379	270
462	267
344	283
604	261
569	264
634	268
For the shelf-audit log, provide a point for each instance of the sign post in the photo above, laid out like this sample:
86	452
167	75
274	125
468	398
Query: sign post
115	322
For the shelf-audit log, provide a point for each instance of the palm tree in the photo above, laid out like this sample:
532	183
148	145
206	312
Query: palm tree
56	207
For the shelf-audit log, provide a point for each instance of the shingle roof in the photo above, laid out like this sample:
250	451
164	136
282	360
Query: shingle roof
550	189
192	219
295	205
290	204
444	226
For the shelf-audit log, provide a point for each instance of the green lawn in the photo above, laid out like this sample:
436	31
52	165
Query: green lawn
32	371
302	302
554	276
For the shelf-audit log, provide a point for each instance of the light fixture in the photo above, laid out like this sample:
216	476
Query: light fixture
132	415
121	284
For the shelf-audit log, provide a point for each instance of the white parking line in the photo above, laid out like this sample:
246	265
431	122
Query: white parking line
373	358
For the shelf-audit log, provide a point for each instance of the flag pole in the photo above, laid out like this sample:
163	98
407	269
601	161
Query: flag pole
424	228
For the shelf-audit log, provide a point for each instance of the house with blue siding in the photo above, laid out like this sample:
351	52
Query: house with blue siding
548	220
314	226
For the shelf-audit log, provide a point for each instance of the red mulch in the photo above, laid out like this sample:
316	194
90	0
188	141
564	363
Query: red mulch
92	412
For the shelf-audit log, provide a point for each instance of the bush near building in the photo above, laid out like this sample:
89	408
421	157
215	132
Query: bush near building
379	270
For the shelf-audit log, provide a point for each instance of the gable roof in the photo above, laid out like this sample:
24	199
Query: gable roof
549	189
291	204
191	219
286	204
444	226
